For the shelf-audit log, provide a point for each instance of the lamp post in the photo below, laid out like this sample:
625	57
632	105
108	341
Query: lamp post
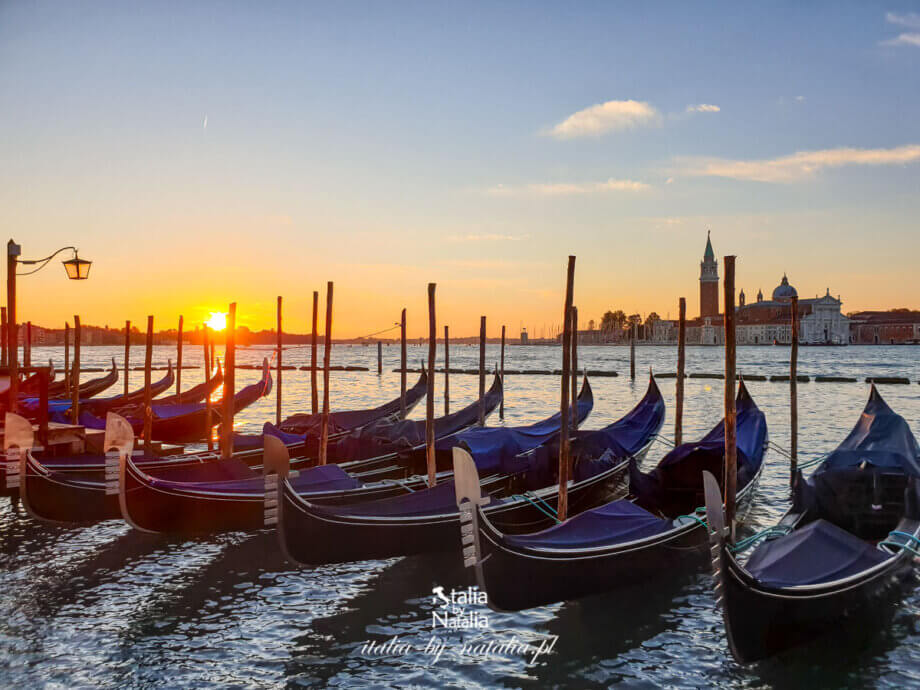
77	269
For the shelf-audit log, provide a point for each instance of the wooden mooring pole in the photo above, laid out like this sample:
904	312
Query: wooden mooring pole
446	372
208	417
379	358
402	364
574	391
482	371
75	373
67	355
127	353
148	398
278	369
4	354
501	407
227	411
327	349
632	352
27	346
314	394
794	392
563	507
429	402
681	365
731	436
179	358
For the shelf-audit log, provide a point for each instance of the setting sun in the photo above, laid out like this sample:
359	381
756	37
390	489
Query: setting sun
218	321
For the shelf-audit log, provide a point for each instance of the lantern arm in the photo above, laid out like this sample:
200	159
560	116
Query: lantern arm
44	262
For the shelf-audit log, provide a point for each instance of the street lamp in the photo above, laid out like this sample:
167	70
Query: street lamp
77	269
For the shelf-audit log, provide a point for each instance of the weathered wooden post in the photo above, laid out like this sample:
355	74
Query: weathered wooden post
75	373
794	391
574	391
446	372
4	354
501	407
402	364
148	398
314	394
563	507
324	435
632	352
228	411
179	358
731	438
209	424
12	252
127	352
429	402
681	364
379	358
482	371
27	346
278	369
213	358
67	355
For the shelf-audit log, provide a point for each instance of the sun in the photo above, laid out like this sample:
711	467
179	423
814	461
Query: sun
218	321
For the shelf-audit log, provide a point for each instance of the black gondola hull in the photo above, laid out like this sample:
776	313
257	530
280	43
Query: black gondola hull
761	622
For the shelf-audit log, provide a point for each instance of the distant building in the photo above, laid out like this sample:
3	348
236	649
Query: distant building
763	321
893	327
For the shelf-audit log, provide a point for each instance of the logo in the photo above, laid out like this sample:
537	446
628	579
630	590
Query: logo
460	609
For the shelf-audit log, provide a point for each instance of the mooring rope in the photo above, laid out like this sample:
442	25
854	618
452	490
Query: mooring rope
902	545
774	531
536	502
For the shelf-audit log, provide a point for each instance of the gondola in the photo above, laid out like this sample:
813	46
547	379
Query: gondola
195	393
183	494
88	389
348	420
838	558
59	409
519	474
247	448
651	533
32	385
188	423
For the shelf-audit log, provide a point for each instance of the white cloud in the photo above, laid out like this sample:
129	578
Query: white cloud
800	99
606	117
703	108
798	166
911	20
903	40
554	189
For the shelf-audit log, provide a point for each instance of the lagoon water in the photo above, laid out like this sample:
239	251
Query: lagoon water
103	606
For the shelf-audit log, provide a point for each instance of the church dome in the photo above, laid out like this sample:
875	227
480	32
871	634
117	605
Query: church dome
784	291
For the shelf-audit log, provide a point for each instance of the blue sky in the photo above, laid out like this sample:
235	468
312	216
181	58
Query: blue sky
205	152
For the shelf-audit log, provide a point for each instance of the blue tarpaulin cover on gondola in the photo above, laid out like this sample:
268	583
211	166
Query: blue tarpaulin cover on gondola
346	420
882	438
675	486
613	523
818	552
235	476
252	441
494	448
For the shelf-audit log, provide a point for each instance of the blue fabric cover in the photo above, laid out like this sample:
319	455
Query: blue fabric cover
347	420
252	441
435	501
818	552
205	472
323	478
613	523
235	476
675	486
494	448
881	438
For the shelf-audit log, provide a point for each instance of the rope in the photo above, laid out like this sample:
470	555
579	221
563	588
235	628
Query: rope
905	545
535	501
801	464
775	531
664	440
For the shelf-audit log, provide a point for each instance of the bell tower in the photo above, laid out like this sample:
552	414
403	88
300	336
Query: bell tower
709	282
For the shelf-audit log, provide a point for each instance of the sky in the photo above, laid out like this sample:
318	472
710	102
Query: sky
208	152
